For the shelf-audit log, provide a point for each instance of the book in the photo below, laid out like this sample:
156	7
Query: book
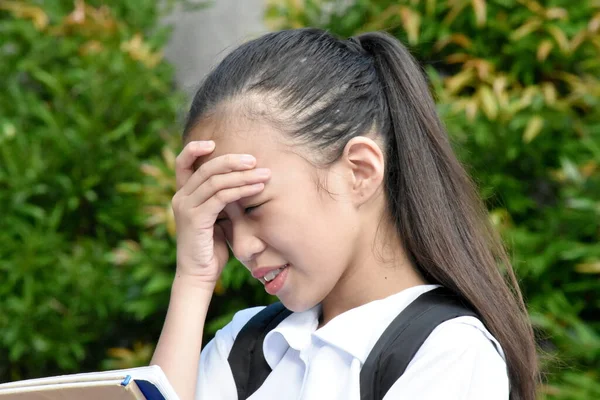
144	383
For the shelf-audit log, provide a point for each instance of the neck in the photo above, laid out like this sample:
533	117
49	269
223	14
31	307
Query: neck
370	277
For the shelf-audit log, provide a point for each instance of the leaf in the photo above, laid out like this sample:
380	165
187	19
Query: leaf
488	102
455	83
479	7
456	38
411	21
588	268
471	109
500	218
456	8
430	7
594	24
560	37
158	283
124	128
577	40
219	288
530	26
22	10
483	67
556	13
458	58
48	80
170	221
534	127
570	170
589	168
141	51
544	49
532	5
549	92
499	87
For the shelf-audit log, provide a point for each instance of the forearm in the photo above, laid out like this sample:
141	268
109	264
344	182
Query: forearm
179	346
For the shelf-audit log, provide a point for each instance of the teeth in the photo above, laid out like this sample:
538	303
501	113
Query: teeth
271	275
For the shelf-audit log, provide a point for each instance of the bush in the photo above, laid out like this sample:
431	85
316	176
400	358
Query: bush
87	152
518	85
86	97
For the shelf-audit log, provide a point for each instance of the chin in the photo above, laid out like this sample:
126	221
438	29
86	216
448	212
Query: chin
297	305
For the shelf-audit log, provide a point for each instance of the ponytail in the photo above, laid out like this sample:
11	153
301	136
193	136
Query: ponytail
439	215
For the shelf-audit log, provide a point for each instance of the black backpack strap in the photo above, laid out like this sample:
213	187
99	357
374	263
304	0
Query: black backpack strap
246	359
401	340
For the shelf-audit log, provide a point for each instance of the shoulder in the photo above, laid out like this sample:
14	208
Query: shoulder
464	334
214	366
218	349
460	359
227	335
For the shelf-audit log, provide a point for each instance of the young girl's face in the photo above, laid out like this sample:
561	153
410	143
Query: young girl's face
291	222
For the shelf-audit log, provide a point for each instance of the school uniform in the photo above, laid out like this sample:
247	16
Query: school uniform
459	360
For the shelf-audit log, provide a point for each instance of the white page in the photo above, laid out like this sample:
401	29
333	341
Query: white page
152	374
100	390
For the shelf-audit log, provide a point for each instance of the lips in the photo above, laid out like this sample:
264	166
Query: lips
259	273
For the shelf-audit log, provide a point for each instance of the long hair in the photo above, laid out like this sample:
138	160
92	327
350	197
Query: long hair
324	91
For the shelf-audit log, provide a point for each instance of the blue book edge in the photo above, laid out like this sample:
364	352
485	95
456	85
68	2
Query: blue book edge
147	388
149	391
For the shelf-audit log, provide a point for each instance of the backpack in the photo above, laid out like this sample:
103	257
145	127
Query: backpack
386	362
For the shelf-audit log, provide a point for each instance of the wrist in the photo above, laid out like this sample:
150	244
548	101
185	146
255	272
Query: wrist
190	299
195	284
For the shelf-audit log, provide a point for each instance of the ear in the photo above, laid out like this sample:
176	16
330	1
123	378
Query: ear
364	161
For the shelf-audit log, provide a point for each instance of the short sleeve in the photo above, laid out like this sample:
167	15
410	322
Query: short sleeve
215	379
458	361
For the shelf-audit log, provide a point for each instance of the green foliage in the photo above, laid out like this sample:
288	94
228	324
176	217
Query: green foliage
518	86
85	97
87	153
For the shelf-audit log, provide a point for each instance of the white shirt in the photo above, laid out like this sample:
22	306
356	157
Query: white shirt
459	360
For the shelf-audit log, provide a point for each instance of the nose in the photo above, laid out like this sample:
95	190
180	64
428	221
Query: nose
244	243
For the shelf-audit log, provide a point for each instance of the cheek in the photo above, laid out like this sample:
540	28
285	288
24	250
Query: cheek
312	232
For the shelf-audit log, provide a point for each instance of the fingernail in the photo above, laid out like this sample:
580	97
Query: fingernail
207	144
247	160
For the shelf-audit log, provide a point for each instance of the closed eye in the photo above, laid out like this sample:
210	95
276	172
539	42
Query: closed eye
248	210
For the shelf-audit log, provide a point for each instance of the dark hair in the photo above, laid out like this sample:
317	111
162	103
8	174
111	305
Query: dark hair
327	91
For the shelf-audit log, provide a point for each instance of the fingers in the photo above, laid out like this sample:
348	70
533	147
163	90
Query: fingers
219	165
203	194
205	214
214	205
184	163
217	183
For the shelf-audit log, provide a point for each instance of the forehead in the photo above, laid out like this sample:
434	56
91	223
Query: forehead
239	135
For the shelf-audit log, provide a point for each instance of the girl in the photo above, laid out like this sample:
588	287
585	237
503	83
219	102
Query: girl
323	165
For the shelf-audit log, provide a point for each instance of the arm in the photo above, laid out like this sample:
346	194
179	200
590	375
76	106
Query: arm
202	253
178	349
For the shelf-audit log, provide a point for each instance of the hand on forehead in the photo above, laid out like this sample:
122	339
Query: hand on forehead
240	137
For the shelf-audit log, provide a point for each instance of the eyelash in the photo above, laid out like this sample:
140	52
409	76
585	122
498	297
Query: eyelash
247	210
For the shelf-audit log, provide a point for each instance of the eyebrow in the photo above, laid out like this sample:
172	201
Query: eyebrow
223	216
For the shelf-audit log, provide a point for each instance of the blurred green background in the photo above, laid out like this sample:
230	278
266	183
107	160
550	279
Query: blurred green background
89	131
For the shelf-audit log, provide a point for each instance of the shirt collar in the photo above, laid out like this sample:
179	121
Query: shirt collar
355	331
294	331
